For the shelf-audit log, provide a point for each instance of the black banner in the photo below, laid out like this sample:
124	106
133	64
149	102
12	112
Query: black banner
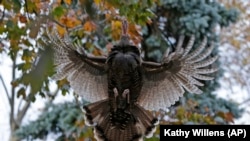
192	132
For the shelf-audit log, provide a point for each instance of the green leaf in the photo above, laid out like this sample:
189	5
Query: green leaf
58	11
6	5
43	69
42	95
24	66
17	5
27	55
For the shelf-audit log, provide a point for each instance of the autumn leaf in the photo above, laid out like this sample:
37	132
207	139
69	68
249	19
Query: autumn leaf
70	22
135	33
108	16
61	83
22	19
21	92
228	116
97	2
61	30
105	5
28	55
89	26
97	52
14	83
68	1
32	6
116	27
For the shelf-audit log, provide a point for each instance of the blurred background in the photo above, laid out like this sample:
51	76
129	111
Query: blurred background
35	107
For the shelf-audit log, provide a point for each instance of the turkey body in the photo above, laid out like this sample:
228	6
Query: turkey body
124	73
124	118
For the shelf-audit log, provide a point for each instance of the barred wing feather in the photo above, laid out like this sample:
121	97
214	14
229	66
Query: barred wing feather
180	71
87	77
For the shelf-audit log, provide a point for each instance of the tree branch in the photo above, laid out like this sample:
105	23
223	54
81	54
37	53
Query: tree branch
55	21
26	7
12	98
21	113
2	17
5	89
50	18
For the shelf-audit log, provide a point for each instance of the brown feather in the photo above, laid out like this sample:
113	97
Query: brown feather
179	70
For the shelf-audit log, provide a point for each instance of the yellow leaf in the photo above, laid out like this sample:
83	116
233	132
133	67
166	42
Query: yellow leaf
40	5
97	2
116	27
108	16
62	82
61	30
97	52
89	26
68	2
134	32
70	22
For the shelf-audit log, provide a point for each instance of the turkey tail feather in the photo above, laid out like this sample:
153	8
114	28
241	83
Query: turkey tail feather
137	123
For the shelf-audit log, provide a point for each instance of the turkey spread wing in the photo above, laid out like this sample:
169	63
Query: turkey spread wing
164	83
86	75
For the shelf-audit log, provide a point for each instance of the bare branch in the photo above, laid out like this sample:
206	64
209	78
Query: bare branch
19	106
26	7
50	18
55	21
12	98
2	17
21	113
5	89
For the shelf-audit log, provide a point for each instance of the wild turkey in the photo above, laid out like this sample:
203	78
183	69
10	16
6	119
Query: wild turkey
122	87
